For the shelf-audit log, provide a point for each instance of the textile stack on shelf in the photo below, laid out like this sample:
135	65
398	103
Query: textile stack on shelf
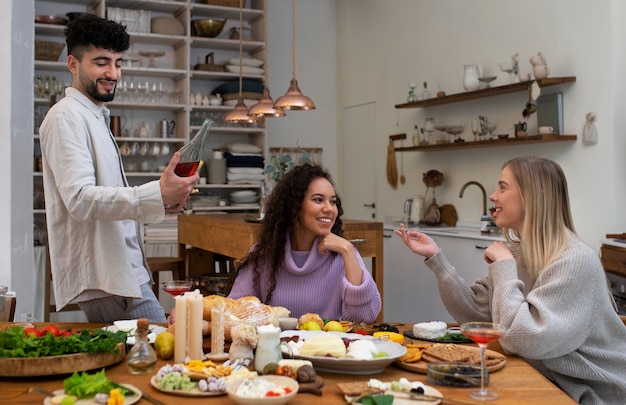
244	163
252	89
163	232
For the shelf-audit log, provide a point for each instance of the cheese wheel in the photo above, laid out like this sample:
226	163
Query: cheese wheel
430	330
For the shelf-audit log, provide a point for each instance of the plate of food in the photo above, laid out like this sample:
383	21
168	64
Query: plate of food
193	392
404	392
418	356
451	336
436	331
339	352
133	397
130	326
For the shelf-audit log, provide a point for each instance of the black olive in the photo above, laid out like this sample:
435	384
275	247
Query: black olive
418	390
385	327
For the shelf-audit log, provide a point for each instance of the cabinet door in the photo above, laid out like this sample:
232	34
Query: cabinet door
411	293
468	258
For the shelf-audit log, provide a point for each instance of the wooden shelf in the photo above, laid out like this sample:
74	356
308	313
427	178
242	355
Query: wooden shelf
490	142
488	92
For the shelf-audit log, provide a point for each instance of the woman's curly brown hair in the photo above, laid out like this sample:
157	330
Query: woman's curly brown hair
281	214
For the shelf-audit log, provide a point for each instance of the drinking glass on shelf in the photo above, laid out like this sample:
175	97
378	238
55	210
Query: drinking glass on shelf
483	333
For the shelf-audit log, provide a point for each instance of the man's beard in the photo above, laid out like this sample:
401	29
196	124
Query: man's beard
92	89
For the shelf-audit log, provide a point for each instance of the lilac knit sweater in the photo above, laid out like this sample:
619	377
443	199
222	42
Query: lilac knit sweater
311	282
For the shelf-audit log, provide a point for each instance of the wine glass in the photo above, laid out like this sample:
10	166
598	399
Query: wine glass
483	333
177	287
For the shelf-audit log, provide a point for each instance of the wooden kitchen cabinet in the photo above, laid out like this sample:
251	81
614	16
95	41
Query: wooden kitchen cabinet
614	259
484	93
411	291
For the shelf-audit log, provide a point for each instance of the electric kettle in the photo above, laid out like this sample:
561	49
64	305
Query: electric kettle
414	207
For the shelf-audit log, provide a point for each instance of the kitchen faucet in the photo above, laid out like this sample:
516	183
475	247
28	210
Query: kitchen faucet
469	183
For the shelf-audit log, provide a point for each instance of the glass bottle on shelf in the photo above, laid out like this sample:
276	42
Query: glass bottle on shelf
425	92
191	152
411	98
141	357
416	136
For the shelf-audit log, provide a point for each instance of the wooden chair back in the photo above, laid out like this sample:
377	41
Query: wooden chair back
7	309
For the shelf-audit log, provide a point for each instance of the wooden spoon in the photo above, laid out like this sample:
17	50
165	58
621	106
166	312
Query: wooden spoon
402	178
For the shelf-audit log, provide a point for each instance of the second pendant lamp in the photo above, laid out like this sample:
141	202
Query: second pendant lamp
239	114
294	99
265	106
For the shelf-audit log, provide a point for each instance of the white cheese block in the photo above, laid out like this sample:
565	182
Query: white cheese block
430	330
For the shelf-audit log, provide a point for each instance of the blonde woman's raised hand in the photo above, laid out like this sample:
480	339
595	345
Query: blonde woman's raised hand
418	242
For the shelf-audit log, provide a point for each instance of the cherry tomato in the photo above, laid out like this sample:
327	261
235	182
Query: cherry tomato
32	331
50	329
66	333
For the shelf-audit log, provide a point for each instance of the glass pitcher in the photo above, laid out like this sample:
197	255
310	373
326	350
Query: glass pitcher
267	347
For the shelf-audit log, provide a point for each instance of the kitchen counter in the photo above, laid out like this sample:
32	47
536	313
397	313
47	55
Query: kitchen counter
465	230
517	383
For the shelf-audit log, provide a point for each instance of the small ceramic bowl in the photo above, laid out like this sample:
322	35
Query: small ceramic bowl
455	374
279	381
288	323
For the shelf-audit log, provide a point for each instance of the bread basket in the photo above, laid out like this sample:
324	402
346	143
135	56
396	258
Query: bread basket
48	50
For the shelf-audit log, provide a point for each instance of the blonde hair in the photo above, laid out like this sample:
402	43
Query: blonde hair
547	216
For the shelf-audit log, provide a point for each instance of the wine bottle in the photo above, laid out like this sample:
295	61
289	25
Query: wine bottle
191	152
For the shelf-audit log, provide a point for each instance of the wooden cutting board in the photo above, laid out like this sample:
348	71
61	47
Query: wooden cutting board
498	360
448	214
57	365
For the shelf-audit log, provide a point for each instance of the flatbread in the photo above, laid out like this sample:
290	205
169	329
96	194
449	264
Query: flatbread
453	353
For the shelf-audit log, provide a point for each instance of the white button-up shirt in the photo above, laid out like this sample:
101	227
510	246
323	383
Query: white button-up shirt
95	249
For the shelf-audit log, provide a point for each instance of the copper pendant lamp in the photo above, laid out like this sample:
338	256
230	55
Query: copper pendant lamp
294	99
265	106
239	114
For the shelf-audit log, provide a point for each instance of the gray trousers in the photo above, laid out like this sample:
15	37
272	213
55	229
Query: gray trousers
116	308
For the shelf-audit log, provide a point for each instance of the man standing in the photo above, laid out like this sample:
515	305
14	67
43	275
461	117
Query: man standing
94	218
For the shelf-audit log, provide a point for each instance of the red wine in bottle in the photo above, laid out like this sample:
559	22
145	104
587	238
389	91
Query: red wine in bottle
186	169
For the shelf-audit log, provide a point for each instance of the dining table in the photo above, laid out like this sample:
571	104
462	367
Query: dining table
517	382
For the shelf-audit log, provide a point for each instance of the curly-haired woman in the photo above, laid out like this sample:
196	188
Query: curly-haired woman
301	261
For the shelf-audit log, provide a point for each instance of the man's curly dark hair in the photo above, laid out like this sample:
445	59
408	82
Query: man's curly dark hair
281	214
89	30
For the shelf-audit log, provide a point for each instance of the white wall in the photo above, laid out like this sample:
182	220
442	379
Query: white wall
384	45
16	154
315	72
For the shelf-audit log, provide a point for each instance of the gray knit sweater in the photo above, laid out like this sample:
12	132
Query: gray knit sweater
565	325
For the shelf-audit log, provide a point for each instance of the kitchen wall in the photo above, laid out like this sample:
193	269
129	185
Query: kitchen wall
352	52
381	46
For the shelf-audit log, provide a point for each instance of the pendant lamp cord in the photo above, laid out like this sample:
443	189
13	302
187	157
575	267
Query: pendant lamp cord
293	39
240	48
265	51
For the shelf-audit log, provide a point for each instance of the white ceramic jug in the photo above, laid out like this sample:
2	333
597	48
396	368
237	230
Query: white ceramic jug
470	78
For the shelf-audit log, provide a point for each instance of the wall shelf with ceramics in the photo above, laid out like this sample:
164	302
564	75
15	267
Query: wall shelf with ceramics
487	92
490	142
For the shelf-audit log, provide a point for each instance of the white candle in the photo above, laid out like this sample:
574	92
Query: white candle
188	327
180	331
217	330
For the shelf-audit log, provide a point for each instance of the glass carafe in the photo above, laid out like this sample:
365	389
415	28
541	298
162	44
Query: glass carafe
191	152
142	357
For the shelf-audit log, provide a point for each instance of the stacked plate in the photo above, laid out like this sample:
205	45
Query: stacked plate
244	197
200	201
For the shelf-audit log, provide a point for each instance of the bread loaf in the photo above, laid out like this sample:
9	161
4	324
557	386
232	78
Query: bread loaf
245	309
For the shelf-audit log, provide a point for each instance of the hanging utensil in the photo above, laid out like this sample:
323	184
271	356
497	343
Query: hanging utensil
402	178
392	168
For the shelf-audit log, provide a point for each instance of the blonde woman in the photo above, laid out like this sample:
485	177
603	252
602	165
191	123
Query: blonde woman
544	285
